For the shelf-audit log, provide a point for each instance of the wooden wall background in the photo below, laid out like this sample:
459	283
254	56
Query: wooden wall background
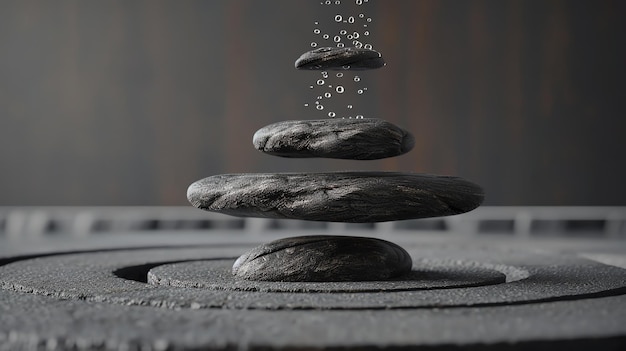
127	102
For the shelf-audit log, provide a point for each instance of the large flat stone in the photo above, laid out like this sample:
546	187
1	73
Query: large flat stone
350	58
357	197
355	139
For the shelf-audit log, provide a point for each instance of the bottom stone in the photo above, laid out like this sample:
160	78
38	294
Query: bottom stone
324	258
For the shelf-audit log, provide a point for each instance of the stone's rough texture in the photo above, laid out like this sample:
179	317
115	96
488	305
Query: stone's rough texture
350	58
323	258
357	197
355	139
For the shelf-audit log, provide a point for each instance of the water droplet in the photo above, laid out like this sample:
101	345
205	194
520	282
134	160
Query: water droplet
357	78
320	82
319	107
327	95
338	18
339	89
331	114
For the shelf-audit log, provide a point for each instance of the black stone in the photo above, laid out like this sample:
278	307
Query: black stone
355	139
324	258
350	58
357	197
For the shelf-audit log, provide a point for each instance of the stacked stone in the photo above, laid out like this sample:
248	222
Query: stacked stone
351	197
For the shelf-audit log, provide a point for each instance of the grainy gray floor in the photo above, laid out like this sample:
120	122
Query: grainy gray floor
476	294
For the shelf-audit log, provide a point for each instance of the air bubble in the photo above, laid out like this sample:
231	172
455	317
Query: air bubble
359	2
360	91
343	32
339	89
358	44
331	114
327	95
337	2
324	74
319	107
350	37
355	35
350	106
368	46
326	36
367	32
310	87
306	105
316	31
338	18
313	44
351	19
339	45
319	97
360	16
337	38
339	75
328	2
359	116
320	82
357	78
369	19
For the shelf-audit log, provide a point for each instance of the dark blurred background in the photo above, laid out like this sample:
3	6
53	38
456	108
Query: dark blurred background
128	102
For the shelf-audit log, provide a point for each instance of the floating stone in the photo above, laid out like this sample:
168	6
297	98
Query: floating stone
357	197
324	258
356	139
350	58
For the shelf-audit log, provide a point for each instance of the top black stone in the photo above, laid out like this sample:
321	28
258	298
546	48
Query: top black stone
350	58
